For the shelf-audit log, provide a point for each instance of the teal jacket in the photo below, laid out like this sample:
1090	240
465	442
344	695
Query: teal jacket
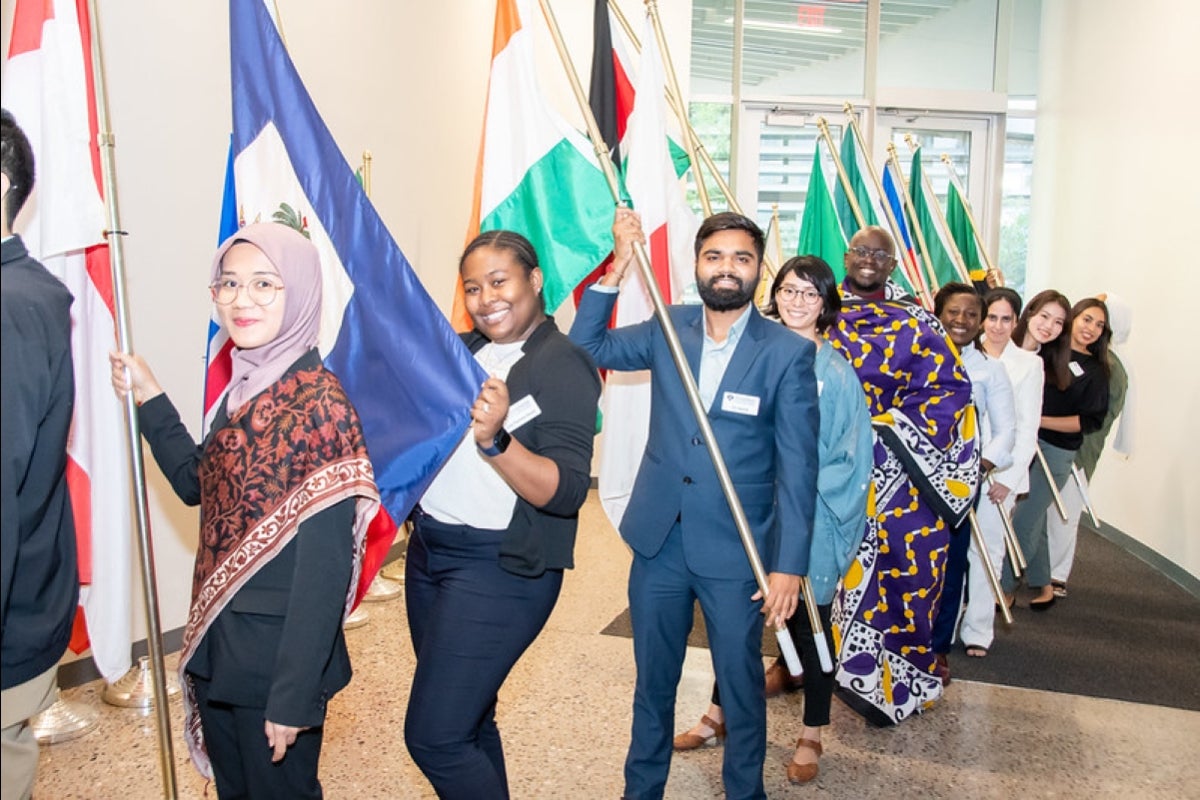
844	454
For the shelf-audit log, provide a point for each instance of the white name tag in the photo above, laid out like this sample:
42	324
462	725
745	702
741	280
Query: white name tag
521	412
736	403
1076	370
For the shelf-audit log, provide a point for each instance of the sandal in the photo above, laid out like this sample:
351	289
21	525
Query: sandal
1060	588
976	651
694	741
803	773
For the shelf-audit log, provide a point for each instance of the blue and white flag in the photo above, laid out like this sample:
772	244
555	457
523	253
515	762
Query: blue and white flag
406	371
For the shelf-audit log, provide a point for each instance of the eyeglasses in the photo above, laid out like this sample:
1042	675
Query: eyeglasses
790	293
261	291
878	256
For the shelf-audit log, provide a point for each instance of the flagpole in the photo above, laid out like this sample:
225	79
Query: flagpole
681	364
114	234
906	201
778	233
912	271
843	176
960	264
985	560
991	268
1013	545
675	99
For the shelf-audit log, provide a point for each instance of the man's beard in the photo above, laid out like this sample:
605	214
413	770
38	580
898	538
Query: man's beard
725	299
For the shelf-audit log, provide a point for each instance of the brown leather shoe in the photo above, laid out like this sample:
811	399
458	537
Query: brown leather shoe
778	680
942	668
803	773
694	741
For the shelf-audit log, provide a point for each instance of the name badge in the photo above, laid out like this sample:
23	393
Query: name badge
736	403
820	387
521	412
1076	370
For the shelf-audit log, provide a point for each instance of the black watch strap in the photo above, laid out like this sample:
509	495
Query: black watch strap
499	444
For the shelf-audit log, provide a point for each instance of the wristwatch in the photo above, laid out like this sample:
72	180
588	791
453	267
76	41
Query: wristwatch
499	444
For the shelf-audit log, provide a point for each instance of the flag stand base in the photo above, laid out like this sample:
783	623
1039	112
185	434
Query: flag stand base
135	689
358	617
63	721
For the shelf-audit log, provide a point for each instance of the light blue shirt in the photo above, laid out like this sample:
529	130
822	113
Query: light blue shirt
714	358
996	413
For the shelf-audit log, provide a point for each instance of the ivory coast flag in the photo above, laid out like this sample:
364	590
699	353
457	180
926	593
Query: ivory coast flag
670	226
48	88
536	175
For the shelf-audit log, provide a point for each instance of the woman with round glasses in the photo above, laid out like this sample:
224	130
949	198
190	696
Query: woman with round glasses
286	491
804	297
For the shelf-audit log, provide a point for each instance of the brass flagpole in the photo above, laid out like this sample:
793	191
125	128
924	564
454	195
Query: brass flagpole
986	560
911	270
843	176
923	258
960	264
116	253
1016	555
678	356
1081	485
983	252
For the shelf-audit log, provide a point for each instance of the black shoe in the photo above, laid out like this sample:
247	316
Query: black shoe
1042	605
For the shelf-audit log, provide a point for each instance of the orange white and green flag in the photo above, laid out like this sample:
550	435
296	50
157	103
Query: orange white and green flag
536	174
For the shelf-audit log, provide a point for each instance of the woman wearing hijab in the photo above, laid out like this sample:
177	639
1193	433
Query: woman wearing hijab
804	297
496	528
286	491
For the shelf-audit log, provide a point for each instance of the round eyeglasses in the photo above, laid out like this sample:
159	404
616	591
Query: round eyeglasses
790	293
878	256
261	291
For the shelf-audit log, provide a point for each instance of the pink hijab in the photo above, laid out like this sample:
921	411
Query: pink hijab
295	259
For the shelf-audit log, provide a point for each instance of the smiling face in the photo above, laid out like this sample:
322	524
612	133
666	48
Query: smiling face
248	324
727	270
799	313
1045	325
998	325
1086	328
960	317
869	260
500	295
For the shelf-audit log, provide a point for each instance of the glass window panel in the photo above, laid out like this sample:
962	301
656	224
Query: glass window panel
785	168
711	121
1023	48
811	48
1016	191
938	44
935	143
712	48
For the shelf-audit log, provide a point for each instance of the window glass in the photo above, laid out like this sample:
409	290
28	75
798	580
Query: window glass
1016	192
938	44
711	123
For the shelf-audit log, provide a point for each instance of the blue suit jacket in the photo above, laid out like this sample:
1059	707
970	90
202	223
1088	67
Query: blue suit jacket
771	455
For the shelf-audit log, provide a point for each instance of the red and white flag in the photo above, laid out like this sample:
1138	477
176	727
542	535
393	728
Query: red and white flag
48	88
670	226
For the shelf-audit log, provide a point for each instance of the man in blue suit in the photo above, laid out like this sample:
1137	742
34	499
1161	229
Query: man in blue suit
756	381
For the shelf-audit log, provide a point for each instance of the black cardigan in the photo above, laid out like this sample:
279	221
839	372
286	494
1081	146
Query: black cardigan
564	382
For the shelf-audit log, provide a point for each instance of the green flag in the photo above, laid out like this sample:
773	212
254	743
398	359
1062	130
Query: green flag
938	257
845	213
820	233
960	228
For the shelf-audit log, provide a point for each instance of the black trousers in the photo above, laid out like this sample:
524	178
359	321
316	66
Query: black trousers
818	685
470	621
236	742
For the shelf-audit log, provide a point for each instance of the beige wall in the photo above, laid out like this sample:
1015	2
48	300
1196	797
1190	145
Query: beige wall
1114	198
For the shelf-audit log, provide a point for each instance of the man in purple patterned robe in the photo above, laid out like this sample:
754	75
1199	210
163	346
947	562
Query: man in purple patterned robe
924	479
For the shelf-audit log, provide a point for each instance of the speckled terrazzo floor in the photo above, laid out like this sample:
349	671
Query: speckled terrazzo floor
565	713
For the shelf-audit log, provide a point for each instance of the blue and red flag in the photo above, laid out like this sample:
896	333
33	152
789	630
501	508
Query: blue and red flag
404	368
912	266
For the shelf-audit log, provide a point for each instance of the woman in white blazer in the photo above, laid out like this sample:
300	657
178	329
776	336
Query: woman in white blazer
1002	307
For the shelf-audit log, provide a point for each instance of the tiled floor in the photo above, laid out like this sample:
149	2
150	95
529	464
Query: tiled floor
565	713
